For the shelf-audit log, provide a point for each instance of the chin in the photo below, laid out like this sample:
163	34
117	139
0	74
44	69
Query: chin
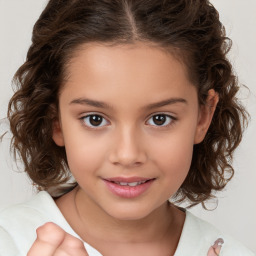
128	213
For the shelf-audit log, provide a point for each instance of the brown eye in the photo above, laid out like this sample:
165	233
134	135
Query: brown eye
160	120
94	121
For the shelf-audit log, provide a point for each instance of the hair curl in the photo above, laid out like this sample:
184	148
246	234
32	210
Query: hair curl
189	28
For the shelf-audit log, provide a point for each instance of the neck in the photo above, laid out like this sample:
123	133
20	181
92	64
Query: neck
93	225
150	228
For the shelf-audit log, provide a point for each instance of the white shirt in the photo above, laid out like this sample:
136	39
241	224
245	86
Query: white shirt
18	226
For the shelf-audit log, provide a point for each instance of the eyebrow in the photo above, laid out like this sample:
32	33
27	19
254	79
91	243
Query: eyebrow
100	104
165	103
93	103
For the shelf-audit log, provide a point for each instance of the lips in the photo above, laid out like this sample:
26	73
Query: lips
128	187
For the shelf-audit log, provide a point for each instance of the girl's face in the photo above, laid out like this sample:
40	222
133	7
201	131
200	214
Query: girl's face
129	117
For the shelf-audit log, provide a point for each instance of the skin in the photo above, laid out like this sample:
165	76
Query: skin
127	143
52	240
216	248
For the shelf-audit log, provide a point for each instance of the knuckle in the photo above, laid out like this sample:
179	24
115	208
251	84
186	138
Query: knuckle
50	233
71	246
48	227
73	242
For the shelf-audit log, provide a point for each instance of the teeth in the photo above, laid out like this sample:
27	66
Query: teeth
123	183
131	184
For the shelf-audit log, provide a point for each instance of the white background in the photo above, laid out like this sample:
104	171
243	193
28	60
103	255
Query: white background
236	212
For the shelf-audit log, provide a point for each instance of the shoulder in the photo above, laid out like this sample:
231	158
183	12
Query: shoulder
32	212
18	223
202	237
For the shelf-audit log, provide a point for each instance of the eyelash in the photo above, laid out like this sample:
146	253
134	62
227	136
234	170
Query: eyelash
166	116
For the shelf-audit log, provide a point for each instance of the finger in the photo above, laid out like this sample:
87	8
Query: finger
49	238
212	252
217	249
71	246
217	245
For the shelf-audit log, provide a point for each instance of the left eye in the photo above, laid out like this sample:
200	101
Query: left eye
160	120
94	120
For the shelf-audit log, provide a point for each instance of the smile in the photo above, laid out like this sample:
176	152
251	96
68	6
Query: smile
131	184
128	187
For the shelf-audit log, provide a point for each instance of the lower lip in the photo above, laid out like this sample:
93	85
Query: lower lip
127	191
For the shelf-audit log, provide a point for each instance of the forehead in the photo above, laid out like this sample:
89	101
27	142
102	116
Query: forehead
134	70
145	56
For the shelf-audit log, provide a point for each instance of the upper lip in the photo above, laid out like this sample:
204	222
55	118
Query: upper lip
127	179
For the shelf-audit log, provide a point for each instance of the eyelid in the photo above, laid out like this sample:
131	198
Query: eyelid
162	113
173	119
85	115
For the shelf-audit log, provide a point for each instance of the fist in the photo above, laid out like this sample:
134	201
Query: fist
54	241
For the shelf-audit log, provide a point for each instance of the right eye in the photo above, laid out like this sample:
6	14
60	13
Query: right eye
94	120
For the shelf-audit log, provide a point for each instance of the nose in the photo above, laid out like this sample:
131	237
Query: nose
128	149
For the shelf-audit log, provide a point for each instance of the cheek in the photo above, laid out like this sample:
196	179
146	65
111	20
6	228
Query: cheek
174	166
84	153
177	157
174	154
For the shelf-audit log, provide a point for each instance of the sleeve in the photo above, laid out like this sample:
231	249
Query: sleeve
7	245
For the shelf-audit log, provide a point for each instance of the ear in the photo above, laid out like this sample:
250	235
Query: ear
57	134
206	112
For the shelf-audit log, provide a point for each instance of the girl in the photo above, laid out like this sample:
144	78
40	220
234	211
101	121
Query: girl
122	105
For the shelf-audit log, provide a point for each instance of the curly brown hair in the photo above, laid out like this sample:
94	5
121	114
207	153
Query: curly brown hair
188	28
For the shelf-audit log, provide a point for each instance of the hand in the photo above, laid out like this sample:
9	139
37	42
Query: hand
54	241
216	248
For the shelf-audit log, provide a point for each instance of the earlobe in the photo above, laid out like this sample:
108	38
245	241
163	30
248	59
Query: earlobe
205	116
57	134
